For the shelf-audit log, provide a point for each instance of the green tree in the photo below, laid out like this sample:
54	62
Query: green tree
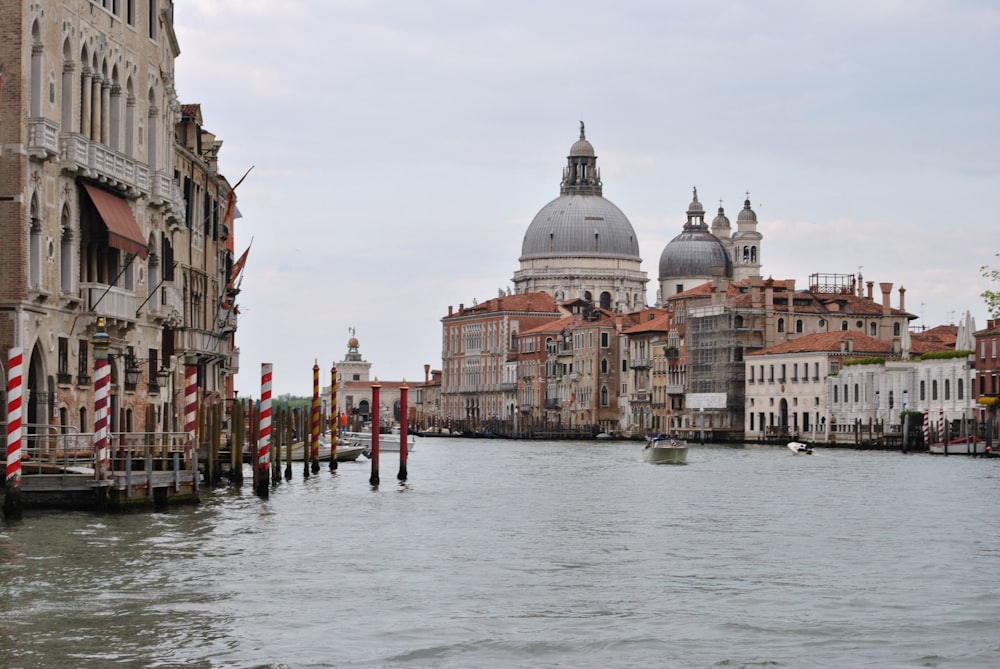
992	297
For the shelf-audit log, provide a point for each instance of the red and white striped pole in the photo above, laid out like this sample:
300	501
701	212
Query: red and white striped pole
334	419
376	393
404	428
314	433
102	389
191	410
264	445
942	435
15	378
927	428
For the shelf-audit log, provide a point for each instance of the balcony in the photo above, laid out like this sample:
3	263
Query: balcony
640	397
93	159
639	363
553	404
109	301
675	388
200	342
165	191
43	138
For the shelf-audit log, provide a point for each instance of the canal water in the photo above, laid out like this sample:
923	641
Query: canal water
530	554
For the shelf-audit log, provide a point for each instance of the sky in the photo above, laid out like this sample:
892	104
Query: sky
401	149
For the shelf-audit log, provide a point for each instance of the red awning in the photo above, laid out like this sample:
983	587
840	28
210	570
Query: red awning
123	230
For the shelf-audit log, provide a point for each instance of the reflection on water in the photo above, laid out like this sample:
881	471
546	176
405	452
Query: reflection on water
499	553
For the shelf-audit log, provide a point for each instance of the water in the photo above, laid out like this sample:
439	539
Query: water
530	554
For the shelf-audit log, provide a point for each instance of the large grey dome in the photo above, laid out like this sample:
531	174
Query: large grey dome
580	226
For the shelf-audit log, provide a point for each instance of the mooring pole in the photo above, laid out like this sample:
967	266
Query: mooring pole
264	452
314	442
403	430
334	419
12	504
376	391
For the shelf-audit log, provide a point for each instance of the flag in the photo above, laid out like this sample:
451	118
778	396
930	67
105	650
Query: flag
230	213
237	268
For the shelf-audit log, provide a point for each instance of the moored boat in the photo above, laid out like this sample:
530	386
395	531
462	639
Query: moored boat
662	450
387	442
963	446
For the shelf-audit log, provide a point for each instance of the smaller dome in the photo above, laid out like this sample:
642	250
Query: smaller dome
747	215
721	220
695	206
695	253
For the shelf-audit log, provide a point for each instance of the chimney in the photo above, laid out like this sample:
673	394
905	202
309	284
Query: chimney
427	373
871	284
755	300
886	289
790	287
450	311
902	299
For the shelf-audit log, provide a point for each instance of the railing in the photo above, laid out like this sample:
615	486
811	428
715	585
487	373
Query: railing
117	303
639	363
43	137
640	396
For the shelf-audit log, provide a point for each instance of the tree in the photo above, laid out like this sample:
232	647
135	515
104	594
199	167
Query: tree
992	297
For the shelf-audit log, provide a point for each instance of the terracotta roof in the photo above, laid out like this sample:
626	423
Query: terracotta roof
940	338
660	323
536	302
829	342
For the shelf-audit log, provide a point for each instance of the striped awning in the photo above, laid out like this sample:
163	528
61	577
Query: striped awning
123	230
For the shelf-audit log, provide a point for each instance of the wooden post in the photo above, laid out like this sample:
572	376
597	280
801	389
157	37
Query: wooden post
376	392
314	434
334	419
286	424
403	430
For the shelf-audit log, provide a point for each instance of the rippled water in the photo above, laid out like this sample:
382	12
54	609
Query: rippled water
530	554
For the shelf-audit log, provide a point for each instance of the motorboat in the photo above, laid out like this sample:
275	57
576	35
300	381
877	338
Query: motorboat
388	442
798	448
346	451
662	450
962	446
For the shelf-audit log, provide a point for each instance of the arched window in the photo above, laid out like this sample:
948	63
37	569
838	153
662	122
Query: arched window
66	253
857	393
605	300
738	322
934	389
947	389
604	396
753	254
604	365
923	390
873	329
781	325
587	296
961	390
35	246
836	395
37	49
798	325
129	119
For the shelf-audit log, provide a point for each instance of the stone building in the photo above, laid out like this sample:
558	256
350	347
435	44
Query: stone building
94	149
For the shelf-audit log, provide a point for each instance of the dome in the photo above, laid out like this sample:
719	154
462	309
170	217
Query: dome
721	220
580	226
581	148
747	214
694	253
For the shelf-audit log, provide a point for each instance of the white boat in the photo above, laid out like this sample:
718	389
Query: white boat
959	447
346	450
798	448
662	450
387	443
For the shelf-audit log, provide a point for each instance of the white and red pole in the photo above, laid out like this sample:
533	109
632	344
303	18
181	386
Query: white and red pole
264	445
191	404
102	390
927	428
15	380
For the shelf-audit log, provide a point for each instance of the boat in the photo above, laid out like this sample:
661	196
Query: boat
962	446
662	450
346	450
798	448
387	442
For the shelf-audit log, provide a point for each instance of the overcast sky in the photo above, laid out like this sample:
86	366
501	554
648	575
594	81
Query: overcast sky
402	148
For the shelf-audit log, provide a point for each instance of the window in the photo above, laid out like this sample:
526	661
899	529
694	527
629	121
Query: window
604	396
835	394
873	329
152	19
934	389
947	389
83	362
798	326
961	390
895	329
857	393
843	325
64	375
923	390
604	366
605	340
680	288
625	365
781	325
